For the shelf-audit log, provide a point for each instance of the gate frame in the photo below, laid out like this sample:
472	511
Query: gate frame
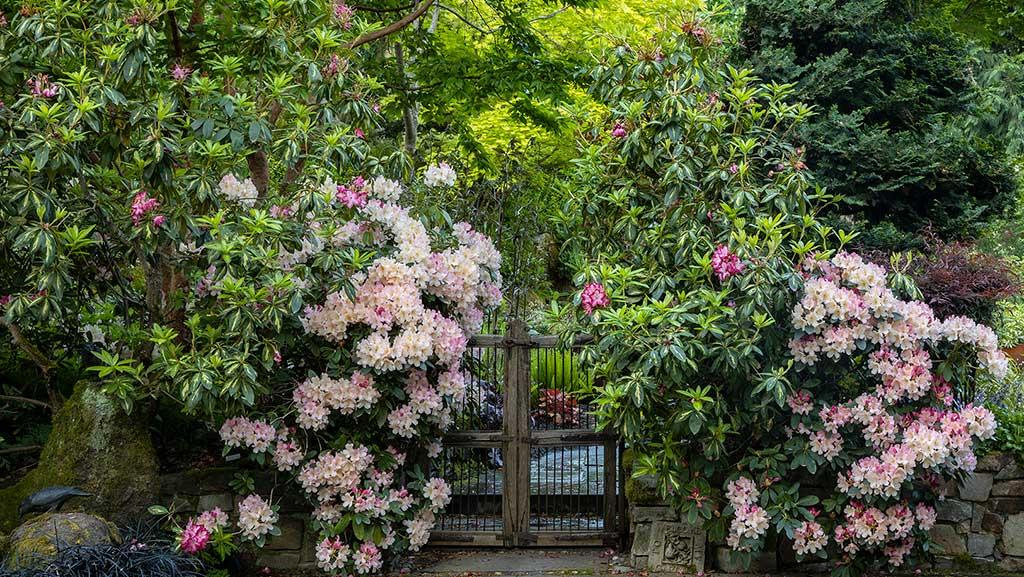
516	438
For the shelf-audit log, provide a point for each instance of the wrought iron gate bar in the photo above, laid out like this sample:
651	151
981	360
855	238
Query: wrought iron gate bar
544	476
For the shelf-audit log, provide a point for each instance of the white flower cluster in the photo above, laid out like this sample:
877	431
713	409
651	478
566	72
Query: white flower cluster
243	192
438	175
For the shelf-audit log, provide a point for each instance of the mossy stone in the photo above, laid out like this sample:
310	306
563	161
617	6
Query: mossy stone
95	446
38	541
642	491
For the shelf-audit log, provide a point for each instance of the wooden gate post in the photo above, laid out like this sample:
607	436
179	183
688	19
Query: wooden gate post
517	433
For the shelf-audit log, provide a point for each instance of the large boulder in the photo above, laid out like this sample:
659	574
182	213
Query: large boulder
96	447
37	542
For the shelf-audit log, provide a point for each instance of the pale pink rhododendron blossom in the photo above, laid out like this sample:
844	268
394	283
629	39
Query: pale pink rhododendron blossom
594	297
750	520
906	431
256	517
241	191
809	538
440	174
214	520
354	430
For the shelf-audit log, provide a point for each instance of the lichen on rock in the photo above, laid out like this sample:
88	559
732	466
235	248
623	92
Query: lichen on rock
40	539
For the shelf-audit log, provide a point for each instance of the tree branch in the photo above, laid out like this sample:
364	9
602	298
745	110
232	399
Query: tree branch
23	449
376	10
465	20
390	29
27	400
29	349
172	23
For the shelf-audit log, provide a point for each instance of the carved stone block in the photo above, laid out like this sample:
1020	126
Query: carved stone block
677	547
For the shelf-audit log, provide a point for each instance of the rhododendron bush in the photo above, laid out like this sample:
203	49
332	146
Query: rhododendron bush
874	416
367	360
690	208
771	383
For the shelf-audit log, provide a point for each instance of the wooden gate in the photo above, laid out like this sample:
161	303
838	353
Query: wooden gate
526	465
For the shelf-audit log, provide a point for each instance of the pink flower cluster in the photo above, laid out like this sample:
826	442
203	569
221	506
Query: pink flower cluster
594	297
344	15
180	73
809	538
255	435
355	194
401	330
889	531
142	205
194	538
846	302
750	520
725	263
332	554
198	530
316	397
904	421
41	87
256	517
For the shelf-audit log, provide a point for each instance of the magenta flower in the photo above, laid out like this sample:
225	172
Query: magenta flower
594	297
142	204
725	263
733	168
179	73
344	13
159	220
332	67
194	538
351	197
41	87
360	133
619	131
280	211
277	357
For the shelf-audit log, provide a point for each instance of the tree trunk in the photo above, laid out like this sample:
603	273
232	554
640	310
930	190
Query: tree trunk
259	171
410	112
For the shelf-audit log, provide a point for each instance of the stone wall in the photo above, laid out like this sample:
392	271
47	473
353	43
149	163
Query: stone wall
193	491
982	519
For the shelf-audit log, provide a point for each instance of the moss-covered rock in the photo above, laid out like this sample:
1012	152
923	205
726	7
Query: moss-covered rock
95	446
38	541
641	491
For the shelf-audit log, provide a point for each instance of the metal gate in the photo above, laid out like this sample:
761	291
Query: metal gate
524	460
